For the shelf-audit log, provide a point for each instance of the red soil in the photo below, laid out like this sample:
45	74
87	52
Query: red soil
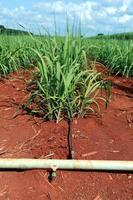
109	136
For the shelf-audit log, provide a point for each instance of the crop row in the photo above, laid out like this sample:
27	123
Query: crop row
117	55
65	86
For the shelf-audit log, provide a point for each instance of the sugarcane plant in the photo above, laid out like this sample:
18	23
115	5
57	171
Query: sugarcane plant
64	85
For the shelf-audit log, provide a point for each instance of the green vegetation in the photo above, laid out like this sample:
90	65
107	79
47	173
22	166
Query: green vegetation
65	86
117	36
13	53
122	36
117	55
8	31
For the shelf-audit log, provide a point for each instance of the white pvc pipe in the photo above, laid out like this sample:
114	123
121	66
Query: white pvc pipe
66	164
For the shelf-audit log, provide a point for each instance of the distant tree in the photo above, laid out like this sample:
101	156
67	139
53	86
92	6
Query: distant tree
9	31
2	28
100	34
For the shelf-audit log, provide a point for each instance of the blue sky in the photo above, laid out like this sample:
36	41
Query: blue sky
97	16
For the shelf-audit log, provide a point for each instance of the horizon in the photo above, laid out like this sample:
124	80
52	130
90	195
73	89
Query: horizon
101	16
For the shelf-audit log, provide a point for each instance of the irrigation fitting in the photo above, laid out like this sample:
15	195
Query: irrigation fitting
53	173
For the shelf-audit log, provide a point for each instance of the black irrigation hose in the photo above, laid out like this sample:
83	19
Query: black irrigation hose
70	141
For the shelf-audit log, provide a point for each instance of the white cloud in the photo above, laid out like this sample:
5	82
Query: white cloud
81	10
110	10
125	19
21	14
57	6
123	8
99	16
